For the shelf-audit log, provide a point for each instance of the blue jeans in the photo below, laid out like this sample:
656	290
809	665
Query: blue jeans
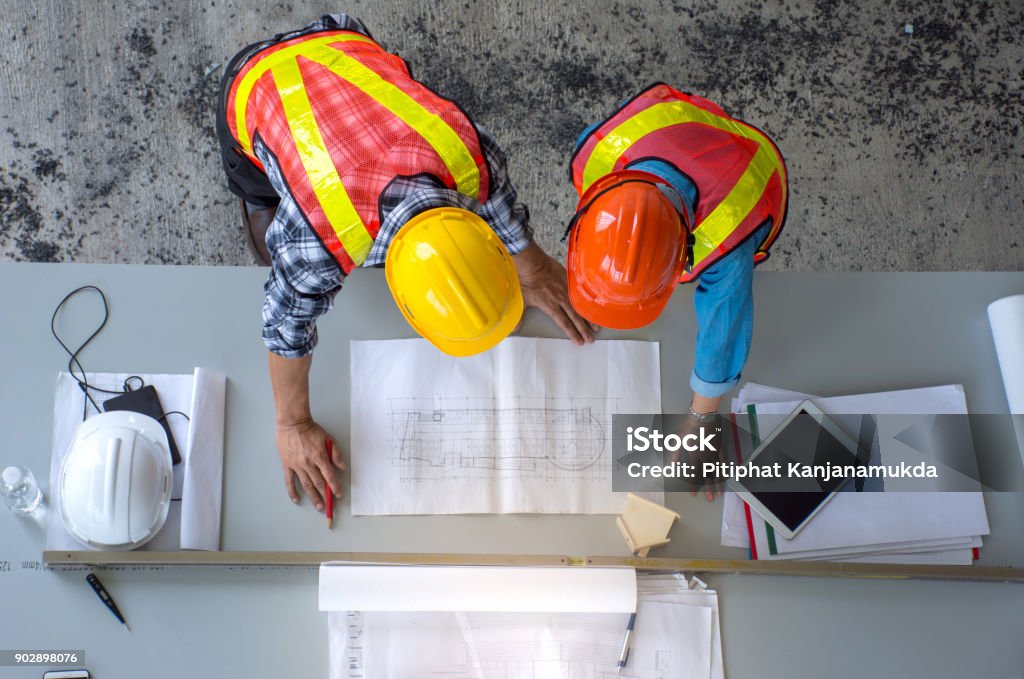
724	304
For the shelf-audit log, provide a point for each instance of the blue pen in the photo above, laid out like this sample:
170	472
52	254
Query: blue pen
624	654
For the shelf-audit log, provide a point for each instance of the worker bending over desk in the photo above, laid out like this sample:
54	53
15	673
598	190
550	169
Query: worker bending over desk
673	190
341	159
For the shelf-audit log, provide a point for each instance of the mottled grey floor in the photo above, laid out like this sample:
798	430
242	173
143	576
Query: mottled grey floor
904	145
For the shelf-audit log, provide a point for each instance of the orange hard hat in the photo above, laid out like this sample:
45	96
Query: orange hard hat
627	247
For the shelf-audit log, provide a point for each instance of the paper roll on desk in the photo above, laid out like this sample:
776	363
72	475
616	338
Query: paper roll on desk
1006	316
345	587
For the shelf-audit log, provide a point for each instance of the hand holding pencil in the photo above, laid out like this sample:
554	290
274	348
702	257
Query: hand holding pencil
310	461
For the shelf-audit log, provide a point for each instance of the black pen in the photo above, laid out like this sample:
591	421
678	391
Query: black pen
105	597
624	654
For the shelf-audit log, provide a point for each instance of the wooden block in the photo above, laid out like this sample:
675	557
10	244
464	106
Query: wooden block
630	542
645	524
642	553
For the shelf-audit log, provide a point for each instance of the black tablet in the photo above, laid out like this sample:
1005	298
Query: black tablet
814	458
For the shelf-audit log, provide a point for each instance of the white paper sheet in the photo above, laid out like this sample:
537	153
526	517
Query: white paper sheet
952	557
903	547
734	522
192	523
870	521
735	534
522	428
946	399
676	635
909	549
674	589
345	587
476	645
671	634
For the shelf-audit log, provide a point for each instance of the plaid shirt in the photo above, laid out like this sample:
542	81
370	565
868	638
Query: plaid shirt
305	277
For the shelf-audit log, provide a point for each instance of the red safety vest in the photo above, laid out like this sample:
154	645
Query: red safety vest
343	118
739	173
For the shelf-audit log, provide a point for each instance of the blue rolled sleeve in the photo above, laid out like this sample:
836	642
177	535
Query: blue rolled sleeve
724	305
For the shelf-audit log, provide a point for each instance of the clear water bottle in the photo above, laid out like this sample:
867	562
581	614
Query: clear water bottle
20	490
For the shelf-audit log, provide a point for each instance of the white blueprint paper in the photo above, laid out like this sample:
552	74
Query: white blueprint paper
676	635
193	523
522	428
476	645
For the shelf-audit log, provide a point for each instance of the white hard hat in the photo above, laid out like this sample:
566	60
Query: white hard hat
115	482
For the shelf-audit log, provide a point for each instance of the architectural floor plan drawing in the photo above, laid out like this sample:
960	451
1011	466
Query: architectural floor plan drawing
677	634
448	438
522	428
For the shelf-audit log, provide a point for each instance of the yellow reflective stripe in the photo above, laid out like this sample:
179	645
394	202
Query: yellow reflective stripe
265	64
607	151
316	159
735	207
445	141
717	226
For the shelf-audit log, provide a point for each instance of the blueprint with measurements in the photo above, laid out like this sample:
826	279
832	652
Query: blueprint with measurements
677	634
522	428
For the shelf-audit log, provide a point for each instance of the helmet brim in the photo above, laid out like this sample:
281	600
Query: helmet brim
609	314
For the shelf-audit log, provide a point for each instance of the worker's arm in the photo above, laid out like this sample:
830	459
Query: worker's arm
542	279
301	442
545	286
724	305
705	404
301	287
691	425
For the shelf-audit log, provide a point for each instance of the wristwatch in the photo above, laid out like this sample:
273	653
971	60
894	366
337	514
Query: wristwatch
703	418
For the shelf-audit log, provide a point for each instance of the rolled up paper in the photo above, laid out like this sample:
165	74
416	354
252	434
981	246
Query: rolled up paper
1006	316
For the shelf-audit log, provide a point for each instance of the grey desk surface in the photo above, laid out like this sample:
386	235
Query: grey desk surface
824	333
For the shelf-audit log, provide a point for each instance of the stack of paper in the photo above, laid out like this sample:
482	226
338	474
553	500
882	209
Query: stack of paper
676	620
876	527
517	623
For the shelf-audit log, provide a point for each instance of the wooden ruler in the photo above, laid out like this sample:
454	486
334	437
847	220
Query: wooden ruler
58	559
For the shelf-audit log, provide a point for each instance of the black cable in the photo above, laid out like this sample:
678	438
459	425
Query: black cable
73	362
175	412
128	383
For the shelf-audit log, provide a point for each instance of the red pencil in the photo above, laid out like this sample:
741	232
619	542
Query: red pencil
329	500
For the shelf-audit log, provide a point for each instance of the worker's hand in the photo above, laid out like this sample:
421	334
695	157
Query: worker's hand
690	425
303	450
545	286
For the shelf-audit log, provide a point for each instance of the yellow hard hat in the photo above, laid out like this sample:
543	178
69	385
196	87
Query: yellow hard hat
454	281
